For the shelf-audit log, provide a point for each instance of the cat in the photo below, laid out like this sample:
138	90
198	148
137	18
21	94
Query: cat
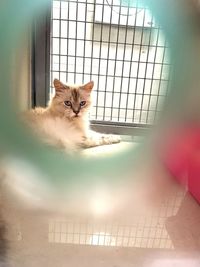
65	122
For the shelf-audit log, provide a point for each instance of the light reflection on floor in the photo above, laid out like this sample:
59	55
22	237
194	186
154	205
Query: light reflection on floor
138	231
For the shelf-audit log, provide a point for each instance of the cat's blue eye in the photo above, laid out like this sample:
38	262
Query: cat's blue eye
82	103
68	103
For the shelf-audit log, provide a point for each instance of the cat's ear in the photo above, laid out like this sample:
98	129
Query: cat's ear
88	86
59	86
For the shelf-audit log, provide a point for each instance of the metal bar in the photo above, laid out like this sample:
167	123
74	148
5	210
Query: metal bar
117	76
138	69
105	42
51	48
108	59
119	128
76	43
67	61
40	60
137	109
33	69
159	86
97	86
151	88
84	46
130	70
146	67
118	60
59	56
115	66
125	39
92	48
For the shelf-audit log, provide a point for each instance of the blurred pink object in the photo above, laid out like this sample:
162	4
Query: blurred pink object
194	175
181	155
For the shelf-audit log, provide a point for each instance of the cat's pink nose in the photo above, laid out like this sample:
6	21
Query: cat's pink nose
76	111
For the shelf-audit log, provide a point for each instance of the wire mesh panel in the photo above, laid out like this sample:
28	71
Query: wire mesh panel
142	231
122	49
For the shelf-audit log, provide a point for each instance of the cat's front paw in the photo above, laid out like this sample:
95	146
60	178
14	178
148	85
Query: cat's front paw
110	139
99	139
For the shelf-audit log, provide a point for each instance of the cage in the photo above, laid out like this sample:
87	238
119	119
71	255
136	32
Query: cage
123	49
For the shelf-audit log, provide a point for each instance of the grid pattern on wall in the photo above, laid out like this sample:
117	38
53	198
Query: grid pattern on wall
120	48
142	231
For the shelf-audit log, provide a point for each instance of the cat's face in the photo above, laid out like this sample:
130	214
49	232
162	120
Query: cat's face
72	101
